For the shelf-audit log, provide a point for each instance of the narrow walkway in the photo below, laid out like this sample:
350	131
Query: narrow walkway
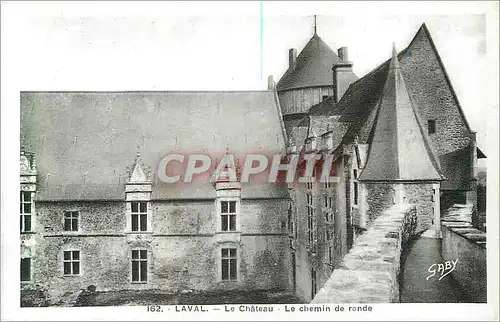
418	256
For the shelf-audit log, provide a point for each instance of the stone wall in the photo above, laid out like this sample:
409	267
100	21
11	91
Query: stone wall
380	196
421	194
305	259
369	272
183	246
467	244
300	100
434	99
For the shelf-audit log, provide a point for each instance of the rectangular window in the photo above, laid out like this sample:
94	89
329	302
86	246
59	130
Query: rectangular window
290	221
330	202
310	228
139	265
229	264
431	126
139	216
71	220
326	201
313	283
71	262
330	254
355	199
228	215
25	269
26	204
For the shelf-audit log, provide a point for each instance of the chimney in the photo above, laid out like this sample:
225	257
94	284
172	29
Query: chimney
292	58
271	86
340	71
343	54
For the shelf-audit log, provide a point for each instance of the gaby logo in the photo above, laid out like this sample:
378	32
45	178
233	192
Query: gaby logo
442	268
176	168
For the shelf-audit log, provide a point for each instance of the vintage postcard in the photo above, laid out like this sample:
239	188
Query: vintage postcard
254	160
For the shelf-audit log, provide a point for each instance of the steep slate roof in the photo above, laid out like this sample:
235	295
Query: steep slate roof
398	150
84	141
313	67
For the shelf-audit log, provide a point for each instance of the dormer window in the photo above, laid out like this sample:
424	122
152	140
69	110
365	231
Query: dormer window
228	214
311	144
139	216
431	126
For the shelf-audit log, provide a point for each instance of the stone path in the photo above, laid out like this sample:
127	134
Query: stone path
418	257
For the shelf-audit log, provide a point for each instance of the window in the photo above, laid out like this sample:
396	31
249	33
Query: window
431	126
290	220
310	228
71	220
326	201
329	235
25	269
26	204
71	262
355	186
330	202
325	97
310	222
355	193
139	265
139	216
228	215
229	264
330	254
313	283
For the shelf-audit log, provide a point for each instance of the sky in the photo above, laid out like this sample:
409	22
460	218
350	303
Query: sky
235	46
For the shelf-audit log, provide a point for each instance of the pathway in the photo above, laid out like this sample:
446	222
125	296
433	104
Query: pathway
419	255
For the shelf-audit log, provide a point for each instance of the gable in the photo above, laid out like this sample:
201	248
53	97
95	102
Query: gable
433	95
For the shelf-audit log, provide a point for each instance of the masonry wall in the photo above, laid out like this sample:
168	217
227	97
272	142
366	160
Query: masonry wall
421	194
319	260
379	197
300	100
369	272
434	100
183	248
467	244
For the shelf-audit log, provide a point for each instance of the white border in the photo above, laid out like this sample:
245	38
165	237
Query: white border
13	15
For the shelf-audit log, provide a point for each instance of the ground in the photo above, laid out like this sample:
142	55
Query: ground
157	297
418	256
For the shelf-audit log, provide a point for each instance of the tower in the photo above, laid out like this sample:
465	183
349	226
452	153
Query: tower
399	153
308	79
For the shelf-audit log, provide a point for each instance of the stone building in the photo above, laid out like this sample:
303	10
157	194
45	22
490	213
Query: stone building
93	211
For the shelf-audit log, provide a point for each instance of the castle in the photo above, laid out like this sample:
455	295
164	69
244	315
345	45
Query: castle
93	212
